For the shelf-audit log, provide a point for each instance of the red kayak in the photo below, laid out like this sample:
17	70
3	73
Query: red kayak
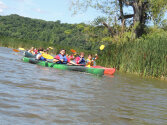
109	71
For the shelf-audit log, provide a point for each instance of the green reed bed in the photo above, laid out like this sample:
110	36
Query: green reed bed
146	56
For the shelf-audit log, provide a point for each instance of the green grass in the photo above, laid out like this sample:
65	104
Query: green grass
146	56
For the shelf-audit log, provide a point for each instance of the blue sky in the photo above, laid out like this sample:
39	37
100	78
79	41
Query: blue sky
50	10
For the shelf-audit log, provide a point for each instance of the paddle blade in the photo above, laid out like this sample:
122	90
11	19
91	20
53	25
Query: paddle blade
21	49
72	50
50	48
47	56
15	50
102	47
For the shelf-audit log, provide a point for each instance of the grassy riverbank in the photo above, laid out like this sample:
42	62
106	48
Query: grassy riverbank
146	56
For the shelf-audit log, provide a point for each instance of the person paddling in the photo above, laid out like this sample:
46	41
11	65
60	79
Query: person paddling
72	57
61	58
89	61
31	51
39	55
80	59
36	51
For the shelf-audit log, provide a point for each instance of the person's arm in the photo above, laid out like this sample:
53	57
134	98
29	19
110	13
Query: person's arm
33	53
71	62
96	57
38	56
56	59
77	60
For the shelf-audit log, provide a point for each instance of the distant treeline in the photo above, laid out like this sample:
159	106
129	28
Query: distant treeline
77	35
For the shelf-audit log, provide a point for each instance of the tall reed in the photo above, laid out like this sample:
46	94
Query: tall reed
146	56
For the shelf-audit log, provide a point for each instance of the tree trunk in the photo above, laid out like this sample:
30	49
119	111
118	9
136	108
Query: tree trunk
139	18
122	15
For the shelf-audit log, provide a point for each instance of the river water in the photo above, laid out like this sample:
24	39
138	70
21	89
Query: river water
35	95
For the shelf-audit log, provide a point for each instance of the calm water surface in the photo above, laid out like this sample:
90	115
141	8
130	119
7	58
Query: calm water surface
35	95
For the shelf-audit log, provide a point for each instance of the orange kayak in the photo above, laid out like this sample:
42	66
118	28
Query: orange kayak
109	71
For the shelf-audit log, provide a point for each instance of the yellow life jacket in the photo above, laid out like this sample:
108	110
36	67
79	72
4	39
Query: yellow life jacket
89	63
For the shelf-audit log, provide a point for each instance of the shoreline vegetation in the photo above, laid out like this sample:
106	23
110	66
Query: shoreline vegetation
145	56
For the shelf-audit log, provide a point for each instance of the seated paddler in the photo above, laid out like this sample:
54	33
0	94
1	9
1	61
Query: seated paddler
80	59
89	61
39	55
61	58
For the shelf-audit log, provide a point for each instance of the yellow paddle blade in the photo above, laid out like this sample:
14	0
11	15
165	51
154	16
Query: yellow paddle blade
15	50
50	48
47	56
21	49
102	47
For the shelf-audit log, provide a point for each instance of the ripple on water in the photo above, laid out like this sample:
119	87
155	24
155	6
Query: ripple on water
31	94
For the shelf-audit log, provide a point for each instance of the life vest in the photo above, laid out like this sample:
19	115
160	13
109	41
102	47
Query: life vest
41	58
89	63
65	60
82	61
71	57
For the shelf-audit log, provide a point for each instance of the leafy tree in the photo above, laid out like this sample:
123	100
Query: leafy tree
142	11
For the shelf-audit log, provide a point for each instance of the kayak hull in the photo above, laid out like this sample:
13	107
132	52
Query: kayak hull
96	71
27	54
107	71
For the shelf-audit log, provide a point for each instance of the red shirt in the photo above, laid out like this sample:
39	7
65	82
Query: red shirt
71	57
77	59
36	51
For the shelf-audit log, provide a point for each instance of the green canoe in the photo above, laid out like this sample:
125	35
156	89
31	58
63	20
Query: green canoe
95	71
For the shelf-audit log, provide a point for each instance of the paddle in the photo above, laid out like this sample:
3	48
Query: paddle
21	49
96	55
15	50
47	56
50	48
102	47
73	51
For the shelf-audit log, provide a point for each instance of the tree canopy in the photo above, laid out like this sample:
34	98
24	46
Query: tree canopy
142	11
79	35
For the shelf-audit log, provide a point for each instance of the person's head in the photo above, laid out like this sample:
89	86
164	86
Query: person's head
96	54
32	48
72	54
82	54
63	52
90	56
40	49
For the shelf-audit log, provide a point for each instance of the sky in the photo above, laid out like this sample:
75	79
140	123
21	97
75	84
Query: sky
49	10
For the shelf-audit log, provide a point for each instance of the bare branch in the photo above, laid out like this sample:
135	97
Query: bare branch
126	16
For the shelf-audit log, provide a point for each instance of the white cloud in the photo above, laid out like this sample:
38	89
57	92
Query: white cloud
2	6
